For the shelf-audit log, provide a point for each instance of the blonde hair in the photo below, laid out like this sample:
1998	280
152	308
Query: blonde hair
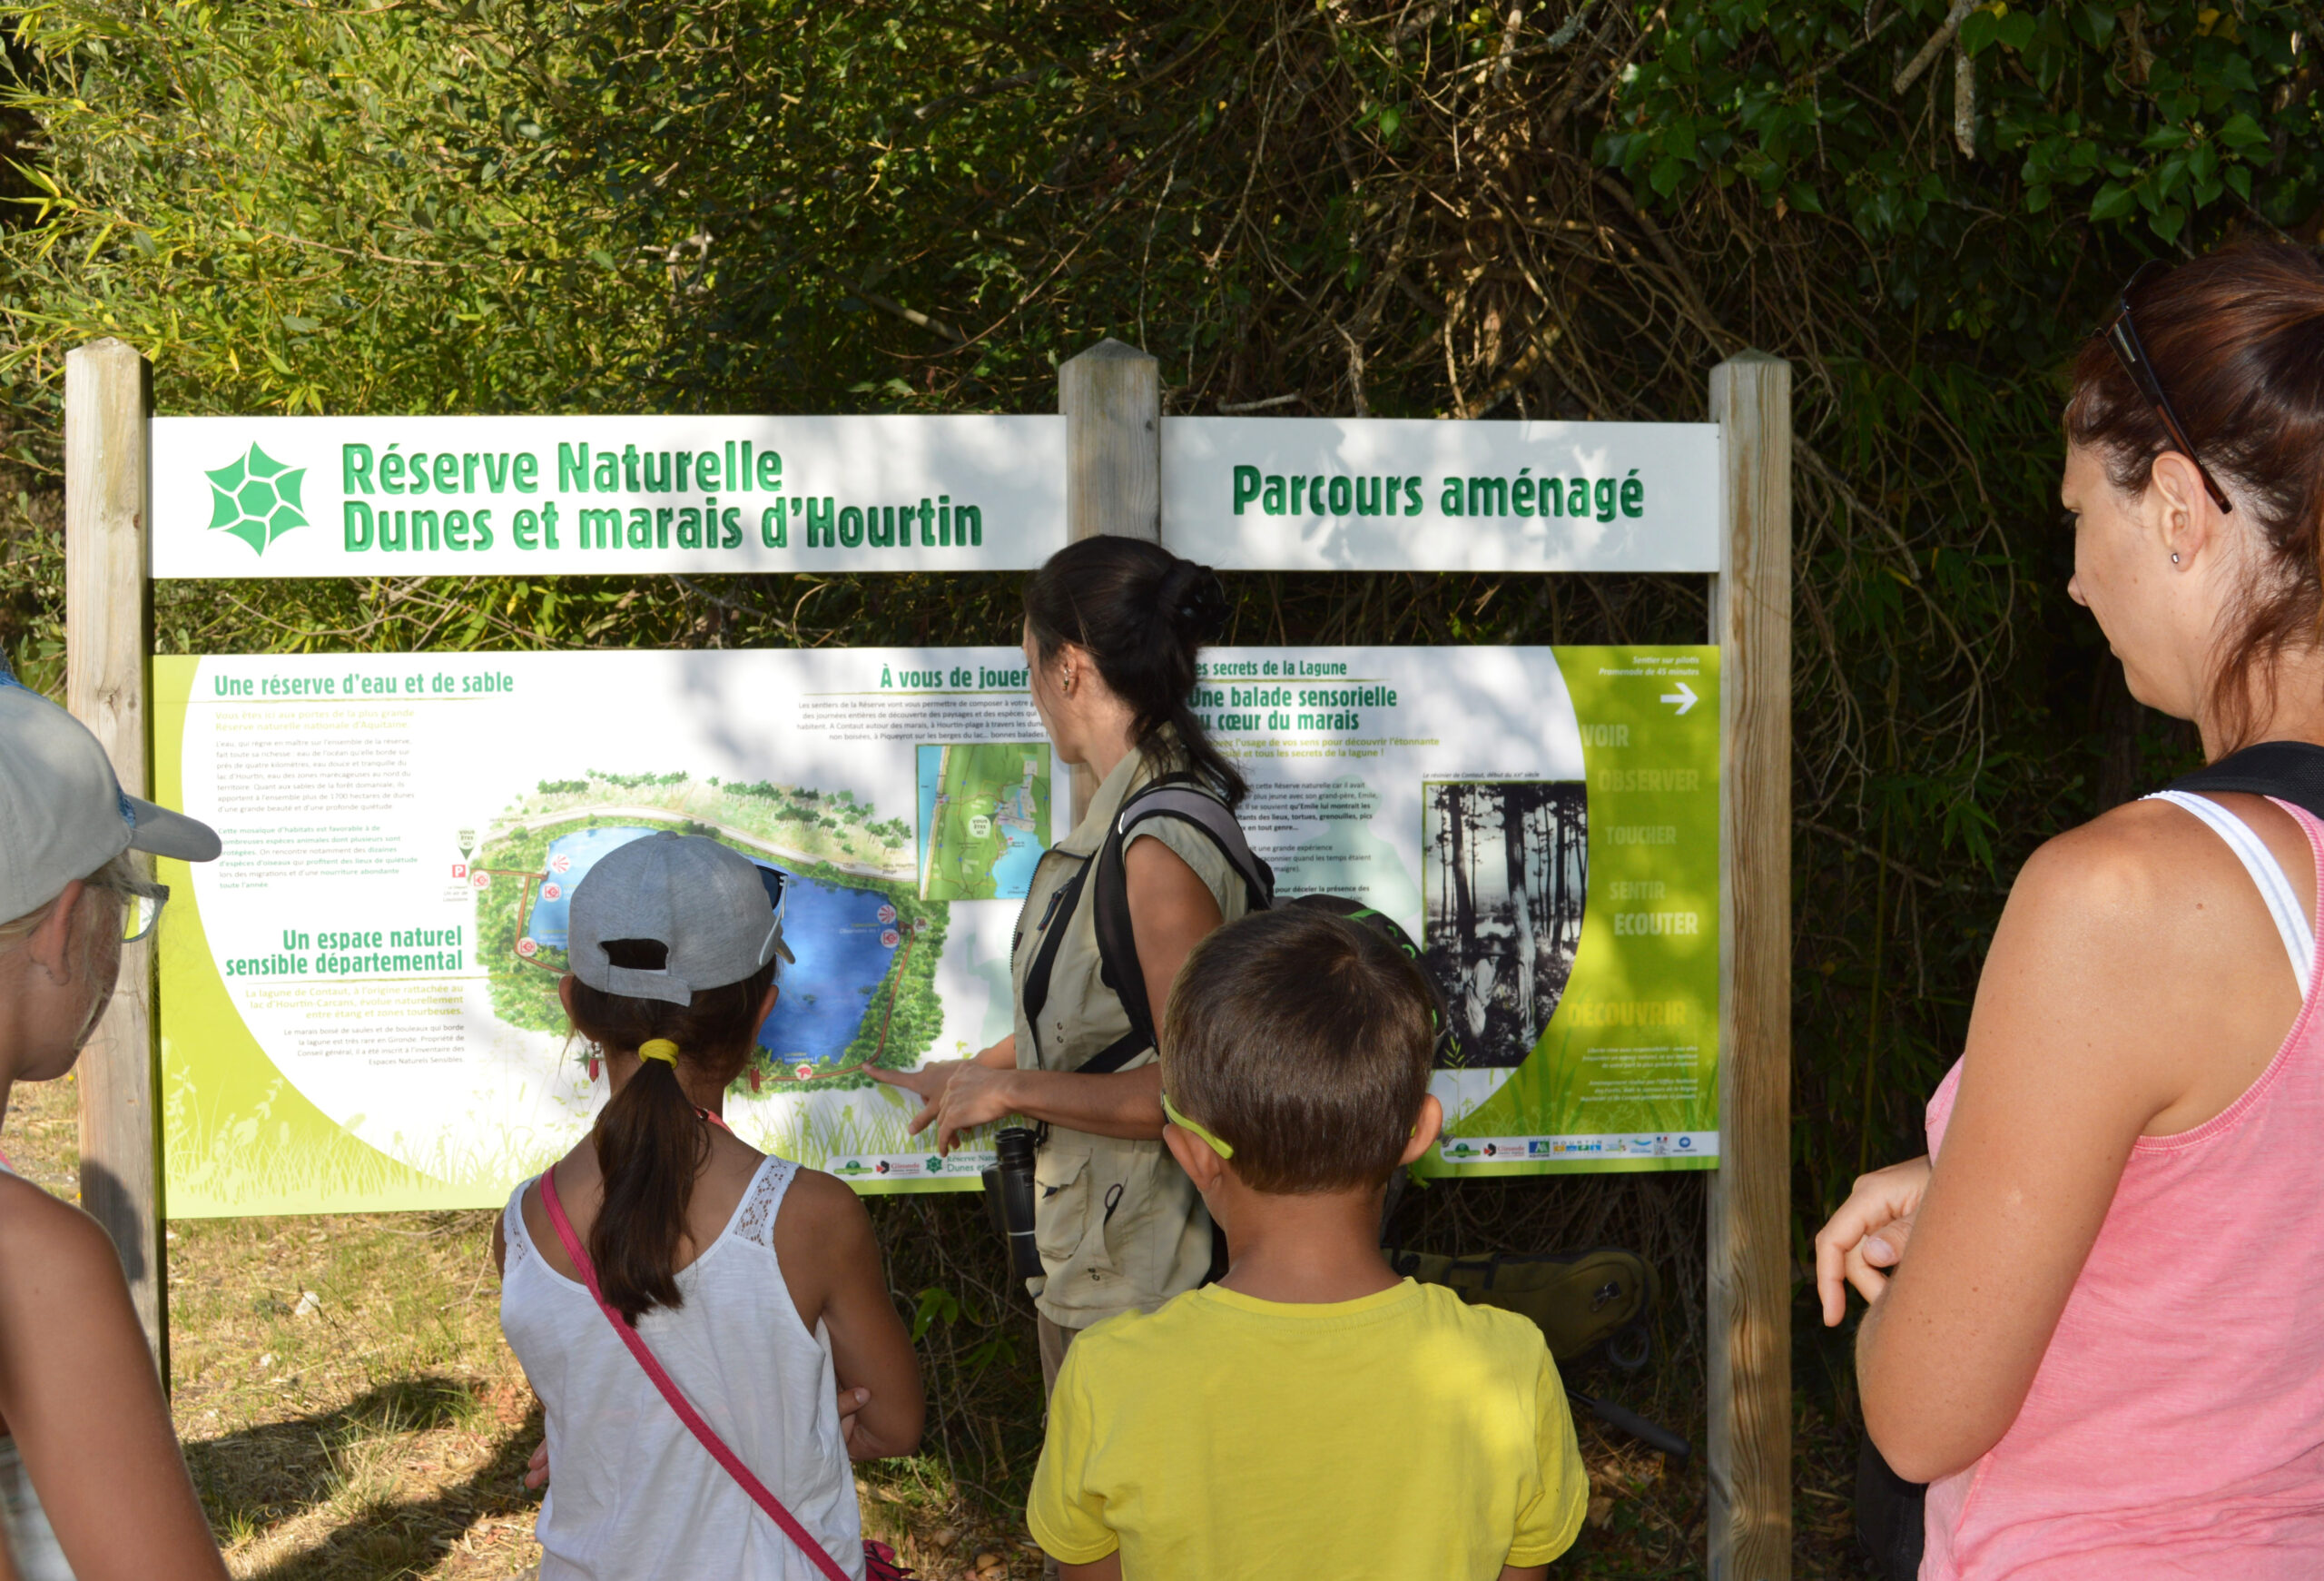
118	877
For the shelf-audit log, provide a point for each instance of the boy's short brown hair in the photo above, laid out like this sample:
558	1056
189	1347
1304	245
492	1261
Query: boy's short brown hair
1302	1040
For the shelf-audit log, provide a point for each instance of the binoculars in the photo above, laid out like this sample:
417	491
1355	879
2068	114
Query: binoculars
1009	1199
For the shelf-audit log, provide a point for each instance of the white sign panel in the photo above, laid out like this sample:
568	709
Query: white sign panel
1353	494
245	497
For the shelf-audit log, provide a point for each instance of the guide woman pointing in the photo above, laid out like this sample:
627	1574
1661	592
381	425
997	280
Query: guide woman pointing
1111	630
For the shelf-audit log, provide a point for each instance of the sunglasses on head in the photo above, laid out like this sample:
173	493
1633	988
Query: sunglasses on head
2122	337
771	880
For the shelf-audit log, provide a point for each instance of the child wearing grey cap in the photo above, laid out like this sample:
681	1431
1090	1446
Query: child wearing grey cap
86	1434
709	1328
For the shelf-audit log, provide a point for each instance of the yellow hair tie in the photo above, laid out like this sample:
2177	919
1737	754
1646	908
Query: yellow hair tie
661	1049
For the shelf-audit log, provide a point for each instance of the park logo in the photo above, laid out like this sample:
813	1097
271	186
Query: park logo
257	499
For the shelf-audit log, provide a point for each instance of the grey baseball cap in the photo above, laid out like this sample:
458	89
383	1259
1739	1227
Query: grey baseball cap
63	813
704	901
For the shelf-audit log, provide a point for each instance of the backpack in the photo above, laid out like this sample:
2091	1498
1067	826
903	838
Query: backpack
1590	1305
1186	798
1587	1304
2293	770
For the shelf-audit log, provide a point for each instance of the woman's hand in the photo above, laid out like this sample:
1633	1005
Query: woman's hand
928	1082
1867	1235
957	1095
969	1093
933	1080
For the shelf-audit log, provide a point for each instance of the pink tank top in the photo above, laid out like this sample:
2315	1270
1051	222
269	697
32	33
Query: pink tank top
2176	1425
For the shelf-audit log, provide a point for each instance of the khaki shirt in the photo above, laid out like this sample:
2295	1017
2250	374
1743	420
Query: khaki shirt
1118	1222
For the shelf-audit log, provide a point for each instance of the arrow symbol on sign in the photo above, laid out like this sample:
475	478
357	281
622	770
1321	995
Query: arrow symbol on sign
1684	697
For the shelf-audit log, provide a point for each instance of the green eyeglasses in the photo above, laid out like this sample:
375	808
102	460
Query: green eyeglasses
1224	1150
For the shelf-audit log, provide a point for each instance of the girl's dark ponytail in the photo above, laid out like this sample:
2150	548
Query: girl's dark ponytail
1142	614
650	1144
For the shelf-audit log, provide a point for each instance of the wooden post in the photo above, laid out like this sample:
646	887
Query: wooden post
1111	396
1751	1196
107	628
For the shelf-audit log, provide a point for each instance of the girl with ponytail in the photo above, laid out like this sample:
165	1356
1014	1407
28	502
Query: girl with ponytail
753	1285
1112	629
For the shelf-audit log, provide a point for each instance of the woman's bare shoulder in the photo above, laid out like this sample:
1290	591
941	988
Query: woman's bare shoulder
2143	923
2140	859
62	1244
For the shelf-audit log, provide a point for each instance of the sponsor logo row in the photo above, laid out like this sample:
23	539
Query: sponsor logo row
1665	1144
908	1166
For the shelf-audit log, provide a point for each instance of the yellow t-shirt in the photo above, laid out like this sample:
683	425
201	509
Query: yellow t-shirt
1400	1434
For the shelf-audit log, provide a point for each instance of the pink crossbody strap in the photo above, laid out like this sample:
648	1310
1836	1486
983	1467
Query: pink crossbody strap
678	1402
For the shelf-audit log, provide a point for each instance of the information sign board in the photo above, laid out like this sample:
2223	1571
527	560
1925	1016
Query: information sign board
248	498
359	1004
252	497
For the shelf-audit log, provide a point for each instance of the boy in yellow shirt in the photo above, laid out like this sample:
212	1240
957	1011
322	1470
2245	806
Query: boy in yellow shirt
1311	1414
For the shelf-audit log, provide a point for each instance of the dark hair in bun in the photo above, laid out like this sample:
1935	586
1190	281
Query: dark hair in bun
1141	612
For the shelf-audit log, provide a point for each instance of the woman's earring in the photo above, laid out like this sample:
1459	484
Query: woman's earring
2175	560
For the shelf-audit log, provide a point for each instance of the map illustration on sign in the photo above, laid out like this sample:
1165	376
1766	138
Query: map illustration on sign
984	818
852	996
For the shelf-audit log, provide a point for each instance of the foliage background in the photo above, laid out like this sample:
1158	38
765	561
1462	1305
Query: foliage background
1536	208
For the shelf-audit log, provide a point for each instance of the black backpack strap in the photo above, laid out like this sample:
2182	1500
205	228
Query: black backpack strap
1062	900
2291	770
1177	797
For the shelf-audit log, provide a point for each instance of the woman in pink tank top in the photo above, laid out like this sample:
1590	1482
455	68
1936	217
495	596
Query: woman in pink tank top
2097	1316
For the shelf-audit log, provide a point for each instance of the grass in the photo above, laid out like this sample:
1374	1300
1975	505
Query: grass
384	1433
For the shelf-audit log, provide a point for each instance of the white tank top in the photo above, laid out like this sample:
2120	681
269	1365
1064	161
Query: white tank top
632	1494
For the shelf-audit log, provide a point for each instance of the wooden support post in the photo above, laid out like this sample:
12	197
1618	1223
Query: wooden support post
107	639
1751	1196
1111	396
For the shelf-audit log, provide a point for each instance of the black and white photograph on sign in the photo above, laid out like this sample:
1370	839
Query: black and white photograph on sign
1506	868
